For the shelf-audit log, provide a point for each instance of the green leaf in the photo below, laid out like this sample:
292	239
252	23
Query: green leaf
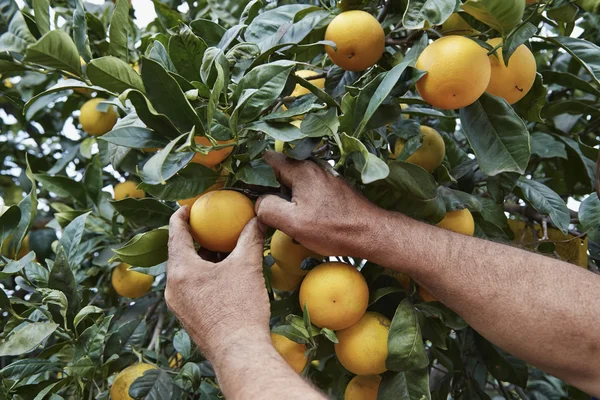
71	237
61	278
266	83
446	315
371	167
497	135
80	29
167	16
330	335
544	145
269	27
135	137
58	298
406	351
520	35
8	8
4	304
257	172
28	207
500	15
388	83
158	53
283	131
189	182
209	31
147	113
27	367
320	124
186	51
84	312
9	220
589	216
144	212
63	186
501	365
18	36
545	201
182	343
114	74
458	200
293	333
145	249
163	165
421	14
405	385
569	80
42	15
119	30
155	270
123	336
26	338
154	384
167	97
408	189
585	53
532	104
55	50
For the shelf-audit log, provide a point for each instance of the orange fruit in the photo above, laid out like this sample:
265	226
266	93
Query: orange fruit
94	122
292	352
214	156
120	387
128	189
363	387
289	254
336	295
460	221
458	72
128	283
359	39
218	218
431	153
514	81
363	348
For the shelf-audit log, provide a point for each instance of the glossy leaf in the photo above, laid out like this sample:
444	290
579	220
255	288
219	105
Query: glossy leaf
406	351
425	13
497	135
55	50
114	74
145	249
26	338
546	201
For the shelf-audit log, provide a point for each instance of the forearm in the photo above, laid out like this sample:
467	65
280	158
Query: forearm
252	369
537	308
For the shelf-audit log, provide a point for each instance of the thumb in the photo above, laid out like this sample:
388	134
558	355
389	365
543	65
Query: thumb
274	211
250	242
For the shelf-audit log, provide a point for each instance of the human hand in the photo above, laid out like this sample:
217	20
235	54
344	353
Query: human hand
325	214
219	304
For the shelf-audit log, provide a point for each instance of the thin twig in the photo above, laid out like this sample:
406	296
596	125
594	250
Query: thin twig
598	175
521	393
545	228
384	11
317	76
503	390
154	343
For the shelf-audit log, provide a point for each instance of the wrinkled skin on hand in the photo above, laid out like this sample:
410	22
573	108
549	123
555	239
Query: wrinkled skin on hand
217	303
325	214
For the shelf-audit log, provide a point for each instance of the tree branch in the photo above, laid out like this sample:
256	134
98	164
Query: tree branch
598	176
154	342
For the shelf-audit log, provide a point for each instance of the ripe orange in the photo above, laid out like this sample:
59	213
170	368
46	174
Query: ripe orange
335	294
214	156
129	283
292	352
289	254
283	281
460	221
363	348
307	73
217	219
121	384
458	72
128	189
431	153
359	39
363	387
94	122
514	81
